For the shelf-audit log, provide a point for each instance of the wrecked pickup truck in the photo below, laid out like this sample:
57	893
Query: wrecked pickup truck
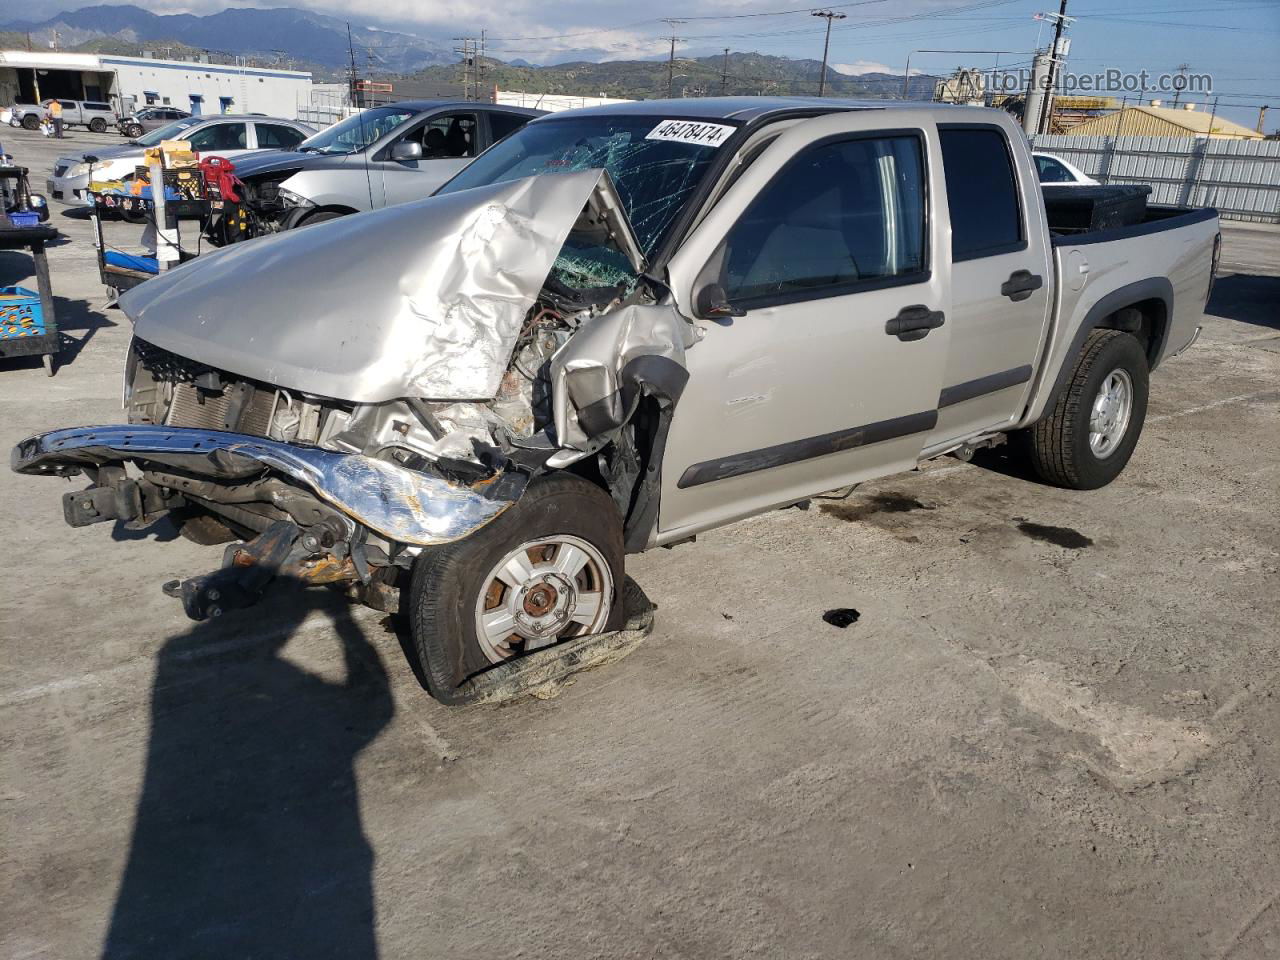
615	329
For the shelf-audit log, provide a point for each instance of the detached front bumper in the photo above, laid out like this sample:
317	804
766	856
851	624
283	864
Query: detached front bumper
413	507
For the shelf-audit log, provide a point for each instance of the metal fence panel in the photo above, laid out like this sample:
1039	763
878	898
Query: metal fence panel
1241	178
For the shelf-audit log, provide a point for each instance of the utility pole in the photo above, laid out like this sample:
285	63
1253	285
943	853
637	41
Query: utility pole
830	15
351	53
1177	91
724	76
1262	115
468	53
671	61
1057	54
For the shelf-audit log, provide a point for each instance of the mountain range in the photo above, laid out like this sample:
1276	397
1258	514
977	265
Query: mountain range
291	35
310	41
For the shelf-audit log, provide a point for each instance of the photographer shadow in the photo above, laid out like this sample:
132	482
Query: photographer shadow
248	839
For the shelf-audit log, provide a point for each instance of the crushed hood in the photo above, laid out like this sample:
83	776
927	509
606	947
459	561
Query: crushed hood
424	299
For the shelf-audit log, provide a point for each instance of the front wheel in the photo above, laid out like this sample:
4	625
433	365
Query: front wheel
133	131
1087	438
320	216
547	569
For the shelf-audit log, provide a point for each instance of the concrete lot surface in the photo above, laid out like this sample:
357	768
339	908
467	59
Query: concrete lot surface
1052	731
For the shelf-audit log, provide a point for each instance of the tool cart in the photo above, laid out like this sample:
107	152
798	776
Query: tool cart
169	214
28	326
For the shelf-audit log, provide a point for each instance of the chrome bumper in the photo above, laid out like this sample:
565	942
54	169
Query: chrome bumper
408	506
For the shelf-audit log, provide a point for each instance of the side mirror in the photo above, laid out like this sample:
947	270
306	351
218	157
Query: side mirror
712	303
406	150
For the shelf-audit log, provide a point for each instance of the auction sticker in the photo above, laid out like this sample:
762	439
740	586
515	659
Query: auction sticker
692	131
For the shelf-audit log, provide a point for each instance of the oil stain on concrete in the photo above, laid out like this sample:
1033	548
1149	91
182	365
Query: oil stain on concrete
1059	536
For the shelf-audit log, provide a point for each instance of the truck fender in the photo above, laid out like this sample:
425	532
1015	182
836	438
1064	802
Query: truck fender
1153	288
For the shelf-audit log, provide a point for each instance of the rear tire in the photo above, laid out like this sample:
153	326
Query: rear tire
98	125
455	589
1084	442
31	122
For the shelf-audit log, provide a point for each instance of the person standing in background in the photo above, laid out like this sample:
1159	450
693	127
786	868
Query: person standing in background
55	114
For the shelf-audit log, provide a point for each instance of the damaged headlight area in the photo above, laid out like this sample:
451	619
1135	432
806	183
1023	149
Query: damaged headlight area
335	457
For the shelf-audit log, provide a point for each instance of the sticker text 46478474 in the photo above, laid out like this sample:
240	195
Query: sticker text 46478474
692	131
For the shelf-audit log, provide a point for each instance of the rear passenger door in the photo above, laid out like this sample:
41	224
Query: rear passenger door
503	124
1001	277
831	375
277	136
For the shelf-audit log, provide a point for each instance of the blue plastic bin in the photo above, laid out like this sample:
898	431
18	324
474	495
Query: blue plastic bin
20	313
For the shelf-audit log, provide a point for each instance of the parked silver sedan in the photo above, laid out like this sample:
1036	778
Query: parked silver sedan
225	135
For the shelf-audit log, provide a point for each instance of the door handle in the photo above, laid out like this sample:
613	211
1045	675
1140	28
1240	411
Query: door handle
1021	284
914	322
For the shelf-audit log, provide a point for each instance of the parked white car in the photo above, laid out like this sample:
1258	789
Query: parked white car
225	135
1059	172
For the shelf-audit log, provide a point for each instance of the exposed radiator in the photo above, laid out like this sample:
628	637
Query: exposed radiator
240	407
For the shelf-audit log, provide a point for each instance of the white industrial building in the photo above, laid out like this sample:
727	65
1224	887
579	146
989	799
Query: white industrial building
129	82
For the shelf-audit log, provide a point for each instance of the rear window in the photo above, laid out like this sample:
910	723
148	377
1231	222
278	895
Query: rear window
278	136
504	124
982	192
90	105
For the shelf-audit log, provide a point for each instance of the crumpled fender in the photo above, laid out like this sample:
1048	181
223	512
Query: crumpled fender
423	299
408	506
600	373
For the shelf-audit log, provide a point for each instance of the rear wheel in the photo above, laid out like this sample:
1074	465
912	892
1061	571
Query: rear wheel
98	125
1087	438
547	569
31	122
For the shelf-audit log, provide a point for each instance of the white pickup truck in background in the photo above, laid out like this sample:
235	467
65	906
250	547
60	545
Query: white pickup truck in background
92	114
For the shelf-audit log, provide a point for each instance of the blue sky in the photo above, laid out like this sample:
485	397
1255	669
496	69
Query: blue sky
1234	40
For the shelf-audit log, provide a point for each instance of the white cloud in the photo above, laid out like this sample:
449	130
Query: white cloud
859	67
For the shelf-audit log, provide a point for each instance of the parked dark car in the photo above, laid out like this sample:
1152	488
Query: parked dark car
149	118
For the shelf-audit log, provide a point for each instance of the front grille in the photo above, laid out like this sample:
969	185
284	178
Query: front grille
167	367
221	403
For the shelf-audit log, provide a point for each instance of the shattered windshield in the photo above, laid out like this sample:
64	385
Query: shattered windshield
653	168
358	131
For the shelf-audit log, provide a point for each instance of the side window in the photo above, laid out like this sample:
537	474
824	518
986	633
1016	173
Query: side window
838	214
1050	170
504	124
278	136
448	135
982	192
219	136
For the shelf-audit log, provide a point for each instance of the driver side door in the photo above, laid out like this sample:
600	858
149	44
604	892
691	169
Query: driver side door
448	142
828	250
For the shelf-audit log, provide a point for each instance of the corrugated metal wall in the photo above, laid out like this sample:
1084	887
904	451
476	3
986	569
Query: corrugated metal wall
1241	178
